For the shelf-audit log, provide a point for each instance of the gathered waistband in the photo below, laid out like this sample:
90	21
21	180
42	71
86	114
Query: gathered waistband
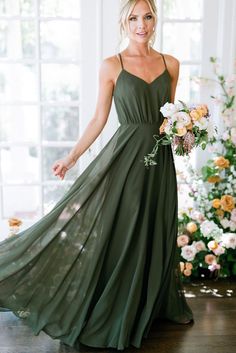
142	123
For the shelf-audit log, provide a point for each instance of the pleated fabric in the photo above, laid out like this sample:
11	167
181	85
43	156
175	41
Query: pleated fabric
102	265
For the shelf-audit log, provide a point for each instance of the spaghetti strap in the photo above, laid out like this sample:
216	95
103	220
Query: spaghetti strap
164	60
121	61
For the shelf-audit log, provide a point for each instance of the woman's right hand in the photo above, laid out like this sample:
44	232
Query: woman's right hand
61	166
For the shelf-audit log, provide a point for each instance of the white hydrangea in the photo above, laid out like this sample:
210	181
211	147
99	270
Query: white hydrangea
229	240
210	229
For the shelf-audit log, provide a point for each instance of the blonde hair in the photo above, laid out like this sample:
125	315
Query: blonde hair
126	9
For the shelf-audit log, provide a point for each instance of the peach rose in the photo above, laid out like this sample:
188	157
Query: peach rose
182	240
216	203
227	203
181	264
187	272
14	222
210	259
163	125
203	109
191	227
181	131
221	162
189	126
195	115
214	179
188	266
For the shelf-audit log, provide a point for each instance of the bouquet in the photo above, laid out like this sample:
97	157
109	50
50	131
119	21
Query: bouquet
184	128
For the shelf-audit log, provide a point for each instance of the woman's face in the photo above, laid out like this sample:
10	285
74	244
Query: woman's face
141	22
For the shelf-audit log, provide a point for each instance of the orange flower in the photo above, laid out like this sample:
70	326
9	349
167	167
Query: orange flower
191	227
14	222
220	213
214	179
227	203
163	125
203	109
195	115
216	203
188	266
181	131
209	259
181	264
221	162
189	126
187	272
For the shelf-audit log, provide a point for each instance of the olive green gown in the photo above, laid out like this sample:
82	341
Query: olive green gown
102	264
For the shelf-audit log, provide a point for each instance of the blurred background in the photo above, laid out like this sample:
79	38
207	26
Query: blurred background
50	53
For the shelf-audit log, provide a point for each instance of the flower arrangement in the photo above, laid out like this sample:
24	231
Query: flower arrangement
207	233
184	127
14	225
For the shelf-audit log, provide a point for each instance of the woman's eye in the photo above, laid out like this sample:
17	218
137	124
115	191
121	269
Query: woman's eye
132	18
149	17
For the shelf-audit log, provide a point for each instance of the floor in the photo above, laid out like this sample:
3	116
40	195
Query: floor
214	307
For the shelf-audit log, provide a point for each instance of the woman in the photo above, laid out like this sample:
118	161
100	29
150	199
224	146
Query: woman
102	265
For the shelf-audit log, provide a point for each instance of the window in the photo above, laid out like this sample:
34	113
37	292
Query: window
180	34
39	95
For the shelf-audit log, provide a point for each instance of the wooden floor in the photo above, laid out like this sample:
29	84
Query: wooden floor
214	329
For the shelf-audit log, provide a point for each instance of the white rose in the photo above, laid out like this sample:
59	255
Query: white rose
182	118
188	252
202	123
229	240
169	109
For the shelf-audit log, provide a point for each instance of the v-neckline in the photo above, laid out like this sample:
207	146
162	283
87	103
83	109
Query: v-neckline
140	78
148	84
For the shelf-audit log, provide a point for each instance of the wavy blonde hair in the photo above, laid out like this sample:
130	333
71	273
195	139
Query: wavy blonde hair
126	9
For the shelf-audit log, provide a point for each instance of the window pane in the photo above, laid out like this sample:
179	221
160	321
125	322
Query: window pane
60	123
50	155
54	40
52	194
20	164
63	8
60	82
189	47
14	119
191	9
17	7
21	202
188	89
17	39
18	82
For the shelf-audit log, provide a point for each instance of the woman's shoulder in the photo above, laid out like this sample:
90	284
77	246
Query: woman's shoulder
171	61
110	66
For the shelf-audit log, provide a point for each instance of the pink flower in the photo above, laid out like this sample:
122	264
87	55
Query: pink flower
210	259
233	215
182	240
214	267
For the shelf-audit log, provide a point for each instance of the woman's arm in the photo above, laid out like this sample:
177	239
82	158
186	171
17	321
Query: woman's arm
95	125
173	68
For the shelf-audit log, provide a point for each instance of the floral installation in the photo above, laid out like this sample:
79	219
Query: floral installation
183	127
207	232
14	226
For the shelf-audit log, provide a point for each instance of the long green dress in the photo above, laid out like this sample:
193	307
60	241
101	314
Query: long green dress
102	264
